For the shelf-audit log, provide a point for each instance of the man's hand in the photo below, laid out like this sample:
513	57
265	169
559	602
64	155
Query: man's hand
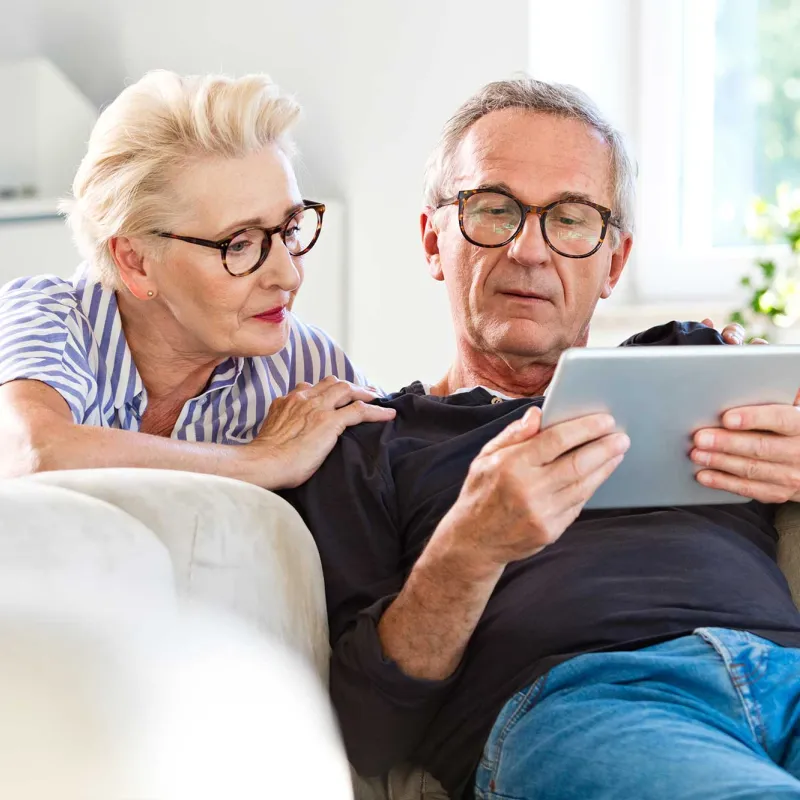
521	493
755	454
734	333
527	486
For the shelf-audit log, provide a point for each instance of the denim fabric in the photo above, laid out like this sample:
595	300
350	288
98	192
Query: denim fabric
712	715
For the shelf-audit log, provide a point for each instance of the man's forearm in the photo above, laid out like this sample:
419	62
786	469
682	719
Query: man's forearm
427	628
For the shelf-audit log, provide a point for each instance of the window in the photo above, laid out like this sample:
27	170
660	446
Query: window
756	108
719	126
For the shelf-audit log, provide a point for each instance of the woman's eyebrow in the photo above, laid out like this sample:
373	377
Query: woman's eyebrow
256	222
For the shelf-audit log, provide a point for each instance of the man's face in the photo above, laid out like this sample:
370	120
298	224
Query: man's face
524	302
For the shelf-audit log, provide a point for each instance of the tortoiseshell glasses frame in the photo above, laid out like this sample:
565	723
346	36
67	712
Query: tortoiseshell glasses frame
223	244
541	211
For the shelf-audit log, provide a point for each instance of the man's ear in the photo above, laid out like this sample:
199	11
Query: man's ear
430	243
619	259
128	255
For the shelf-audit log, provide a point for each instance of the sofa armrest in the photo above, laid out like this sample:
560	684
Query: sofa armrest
788	525
54	540
231	544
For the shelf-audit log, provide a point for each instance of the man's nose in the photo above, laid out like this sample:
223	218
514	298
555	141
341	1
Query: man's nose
530	247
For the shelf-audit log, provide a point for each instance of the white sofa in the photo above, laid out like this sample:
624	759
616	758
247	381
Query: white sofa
117	681
238	547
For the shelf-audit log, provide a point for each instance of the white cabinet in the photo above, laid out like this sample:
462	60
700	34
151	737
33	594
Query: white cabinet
46	126
34	239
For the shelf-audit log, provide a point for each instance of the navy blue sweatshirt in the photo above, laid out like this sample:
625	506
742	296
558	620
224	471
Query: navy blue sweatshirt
615	580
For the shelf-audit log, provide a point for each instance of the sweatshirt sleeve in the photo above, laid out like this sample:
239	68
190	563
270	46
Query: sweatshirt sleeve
348	506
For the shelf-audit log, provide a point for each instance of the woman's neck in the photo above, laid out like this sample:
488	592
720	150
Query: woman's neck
170	372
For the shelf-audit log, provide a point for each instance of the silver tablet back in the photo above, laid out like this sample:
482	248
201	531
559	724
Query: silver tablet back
660	396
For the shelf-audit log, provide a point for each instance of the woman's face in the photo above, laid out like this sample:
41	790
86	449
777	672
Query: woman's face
209	311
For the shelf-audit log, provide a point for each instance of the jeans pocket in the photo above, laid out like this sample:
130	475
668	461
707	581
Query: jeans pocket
511	713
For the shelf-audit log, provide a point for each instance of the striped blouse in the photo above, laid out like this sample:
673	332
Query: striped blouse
68	334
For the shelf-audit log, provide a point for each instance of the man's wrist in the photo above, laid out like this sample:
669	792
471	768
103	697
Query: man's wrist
450	554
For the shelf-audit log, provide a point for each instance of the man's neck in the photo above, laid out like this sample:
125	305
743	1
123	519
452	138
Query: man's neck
168	371
525	379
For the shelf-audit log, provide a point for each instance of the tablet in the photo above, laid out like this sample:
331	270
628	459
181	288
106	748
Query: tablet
660	396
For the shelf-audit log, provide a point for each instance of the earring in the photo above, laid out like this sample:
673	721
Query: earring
151	293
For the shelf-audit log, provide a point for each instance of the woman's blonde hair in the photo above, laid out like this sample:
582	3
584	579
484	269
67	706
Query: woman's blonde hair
158	125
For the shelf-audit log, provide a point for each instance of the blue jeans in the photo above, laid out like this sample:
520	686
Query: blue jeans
712	715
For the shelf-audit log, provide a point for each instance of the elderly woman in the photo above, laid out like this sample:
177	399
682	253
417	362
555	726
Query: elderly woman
174	345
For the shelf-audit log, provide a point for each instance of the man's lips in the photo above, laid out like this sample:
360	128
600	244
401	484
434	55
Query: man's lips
274	315
519	295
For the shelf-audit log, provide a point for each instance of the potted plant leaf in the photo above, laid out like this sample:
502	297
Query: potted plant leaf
773	283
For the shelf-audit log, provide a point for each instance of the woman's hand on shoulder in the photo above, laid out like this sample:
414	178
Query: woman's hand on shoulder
303	427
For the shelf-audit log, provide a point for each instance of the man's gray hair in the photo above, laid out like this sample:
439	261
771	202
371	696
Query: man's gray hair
528	94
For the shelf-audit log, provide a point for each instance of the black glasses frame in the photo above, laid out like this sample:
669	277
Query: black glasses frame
223	244
541	211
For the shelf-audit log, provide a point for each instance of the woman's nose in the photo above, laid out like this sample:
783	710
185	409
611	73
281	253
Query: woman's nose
280	268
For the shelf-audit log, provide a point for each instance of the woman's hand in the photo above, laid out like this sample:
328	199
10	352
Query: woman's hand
303	427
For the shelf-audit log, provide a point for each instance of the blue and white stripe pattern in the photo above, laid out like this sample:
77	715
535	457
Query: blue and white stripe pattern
68	334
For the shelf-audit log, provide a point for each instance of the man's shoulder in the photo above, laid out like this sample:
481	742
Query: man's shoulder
675	333
409	402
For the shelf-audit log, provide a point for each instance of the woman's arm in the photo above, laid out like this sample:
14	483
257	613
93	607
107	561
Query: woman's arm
39	435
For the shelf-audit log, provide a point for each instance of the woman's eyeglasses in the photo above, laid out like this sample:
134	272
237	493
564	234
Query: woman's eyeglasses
246	250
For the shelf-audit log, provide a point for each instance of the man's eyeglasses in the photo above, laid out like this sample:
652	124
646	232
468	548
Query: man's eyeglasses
493	218
246	250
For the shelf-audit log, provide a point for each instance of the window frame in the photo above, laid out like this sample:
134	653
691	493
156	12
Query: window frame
676	135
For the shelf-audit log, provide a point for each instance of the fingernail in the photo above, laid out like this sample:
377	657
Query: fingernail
733	420
705	439
624	443
700	457
705	478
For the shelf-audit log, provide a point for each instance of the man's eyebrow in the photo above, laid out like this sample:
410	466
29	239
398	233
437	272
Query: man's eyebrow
504	187
580	197
255	222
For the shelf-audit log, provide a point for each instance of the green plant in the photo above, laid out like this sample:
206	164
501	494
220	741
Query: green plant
773	284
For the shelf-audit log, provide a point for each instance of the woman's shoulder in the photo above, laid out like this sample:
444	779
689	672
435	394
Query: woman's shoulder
310	355
45	292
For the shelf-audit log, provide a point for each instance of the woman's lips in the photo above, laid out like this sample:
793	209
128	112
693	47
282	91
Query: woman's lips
274	315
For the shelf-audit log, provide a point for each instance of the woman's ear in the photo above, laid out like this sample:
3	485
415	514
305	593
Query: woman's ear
430	243
128	255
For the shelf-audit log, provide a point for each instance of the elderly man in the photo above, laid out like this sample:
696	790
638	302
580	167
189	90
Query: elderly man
482	624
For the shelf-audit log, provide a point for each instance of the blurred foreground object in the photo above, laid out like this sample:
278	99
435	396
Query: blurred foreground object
112	687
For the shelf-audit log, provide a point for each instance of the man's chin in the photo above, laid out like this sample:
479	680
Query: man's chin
522	339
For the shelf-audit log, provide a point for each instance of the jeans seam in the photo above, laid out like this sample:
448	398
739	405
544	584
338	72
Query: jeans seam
752	715
526	703
534	690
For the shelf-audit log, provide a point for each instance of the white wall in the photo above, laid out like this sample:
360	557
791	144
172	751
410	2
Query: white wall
593	44
377	79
